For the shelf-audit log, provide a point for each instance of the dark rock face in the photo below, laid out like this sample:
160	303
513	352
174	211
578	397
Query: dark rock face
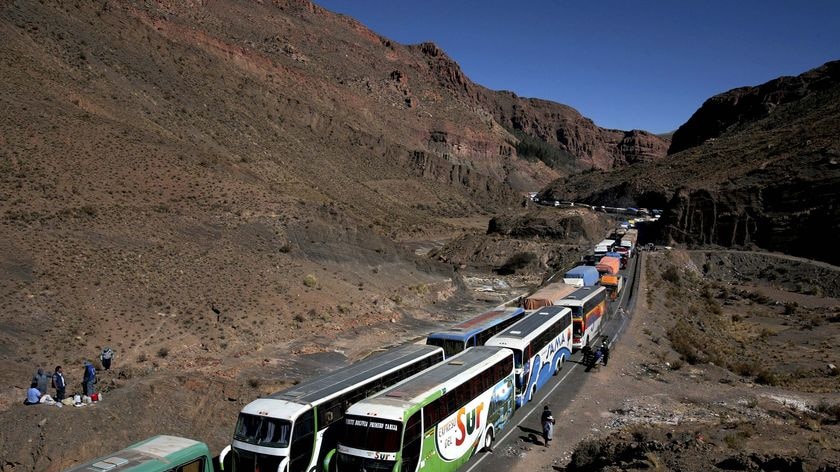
564	128
559	126
739	106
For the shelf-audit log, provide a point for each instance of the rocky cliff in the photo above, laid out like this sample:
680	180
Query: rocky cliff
770	180
738	107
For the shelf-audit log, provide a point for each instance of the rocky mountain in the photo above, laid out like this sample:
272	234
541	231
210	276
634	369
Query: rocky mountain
767	172
195	176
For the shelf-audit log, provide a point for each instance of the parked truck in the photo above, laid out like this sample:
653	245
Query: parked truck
629	240
613	284
582	276
548	295
608	265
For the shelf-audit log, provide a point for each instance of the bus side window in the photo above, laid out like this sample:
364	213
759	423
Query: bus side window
413	442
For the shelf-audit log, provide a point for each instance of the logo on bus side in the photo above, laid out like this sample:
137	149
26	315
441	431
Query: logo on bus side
457	434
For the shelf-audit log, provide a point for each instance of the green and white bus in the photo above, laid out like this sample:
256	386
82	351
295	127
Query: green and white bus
156	454
295	430
434	421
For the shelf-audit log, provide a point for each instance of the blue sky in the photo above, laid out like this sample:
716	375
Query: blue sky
624	64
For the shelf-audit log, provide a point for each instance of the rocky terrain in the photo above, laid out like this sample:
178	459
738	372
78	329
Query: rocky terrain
236	195
756	167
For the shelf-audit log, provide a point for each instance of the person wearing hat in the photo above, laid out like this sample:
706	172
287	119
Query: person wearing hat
88	379
547	420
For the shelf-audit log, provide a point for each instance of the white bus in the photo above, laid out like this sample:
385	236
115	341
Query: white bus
541	343
296	430
588	305
435	421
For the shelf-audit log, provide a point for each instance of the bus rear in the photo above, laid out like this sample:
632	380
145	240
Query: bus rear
588	305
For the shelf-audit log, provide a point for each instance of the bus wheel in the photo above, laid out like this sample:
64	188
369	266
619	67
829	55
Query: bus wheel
559	366
488	439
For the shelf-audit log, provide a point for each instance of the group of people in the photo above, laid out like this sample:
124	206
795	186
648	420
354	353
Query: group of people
37	392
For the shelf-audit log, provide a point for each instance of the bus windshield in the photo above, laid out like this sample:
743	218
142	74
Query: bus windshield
372	434
450	346
263	430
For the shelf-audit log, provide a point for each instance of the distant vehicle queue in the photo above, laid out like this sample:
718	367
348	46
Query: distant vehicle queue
433	406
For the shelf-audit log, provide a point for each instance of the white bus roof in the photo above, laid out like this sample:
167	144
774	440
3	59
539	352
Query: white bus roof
522	332
288	403
580	296
607	242
393	402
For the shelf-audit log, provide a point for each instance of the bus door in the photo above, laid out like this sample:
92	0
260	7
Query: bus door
303	437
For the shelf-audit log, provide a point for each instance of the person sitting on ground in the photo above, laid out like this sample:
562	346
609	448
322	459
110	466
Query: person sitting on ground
34	396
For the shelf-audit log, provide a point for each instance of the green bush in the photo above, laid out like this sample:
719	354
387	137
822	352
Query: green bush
310	281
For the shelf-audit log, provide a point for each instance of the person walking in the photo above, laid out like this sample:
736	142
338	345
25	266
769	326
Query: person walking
88	379
41	380
547	420
59	383
605	351
106	356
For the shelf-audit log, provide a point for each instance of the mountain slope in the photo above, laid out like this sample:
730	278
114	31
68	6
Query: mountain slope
770	180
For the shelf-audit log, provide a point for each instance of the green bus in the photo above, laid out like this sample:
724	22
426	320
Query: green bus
434	421
156	454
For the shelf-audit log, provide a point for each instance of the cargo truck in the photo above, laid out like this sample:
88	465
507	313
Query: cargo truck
613	284
582	276
548	295
608	265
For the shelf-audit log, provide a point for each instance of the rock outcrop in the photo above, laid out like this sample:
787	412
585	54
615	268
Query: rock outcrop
738	107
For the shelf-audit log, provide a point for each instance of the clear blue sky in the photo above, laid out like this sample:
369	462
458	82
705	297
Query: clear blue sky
624	64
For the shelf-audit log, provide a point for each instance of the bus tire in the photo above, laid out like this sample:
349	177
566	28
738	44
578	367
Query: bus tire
488	439
559	366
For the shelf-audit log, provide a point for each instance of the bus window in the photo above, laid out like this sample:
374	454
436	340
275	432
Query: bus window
262	430
517	359
302	441
450	347
578	328
366	433
194	466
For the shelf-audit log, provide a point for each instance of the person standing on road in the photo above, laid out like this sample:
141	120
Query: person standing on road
547	420
605	351
59	383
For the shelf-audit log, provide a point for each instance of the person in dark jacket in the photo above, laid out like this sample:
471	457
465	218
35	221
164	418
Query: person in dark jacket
547	420
59	383
88	379
42	380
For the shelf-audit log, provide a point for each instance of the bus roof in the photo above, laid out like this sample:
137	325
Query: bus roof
527	327
579	296
327	385
417	389
471	327
153	454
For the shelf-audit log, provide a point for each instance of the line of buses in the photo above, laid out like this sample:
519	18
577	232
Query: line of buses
418	407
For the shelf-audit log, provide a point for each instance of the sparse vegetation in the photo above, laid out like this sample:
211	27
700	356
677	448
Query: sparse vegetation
310	281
